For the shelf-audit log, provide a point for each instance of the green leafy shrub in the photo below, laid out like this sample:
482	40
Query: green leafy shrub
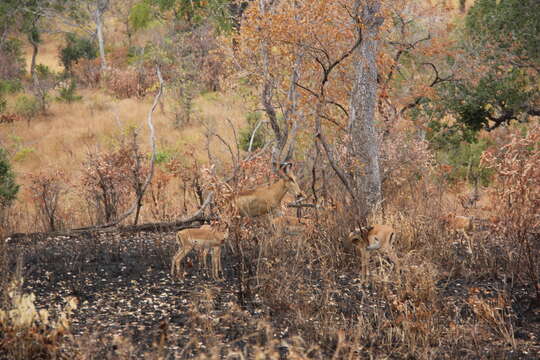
27	106
458	147
259	139
8	187
11	60
66	92
141	15
77	48
10	86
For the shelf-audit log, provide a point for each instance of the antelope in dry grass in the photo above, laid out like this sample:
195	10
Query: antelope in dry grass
376	237
205	238
264	199
460	225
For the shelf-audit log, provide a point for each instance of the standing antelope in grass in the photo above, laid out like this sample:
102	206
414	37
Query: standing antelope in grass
264	199
205	238
459	224
376	237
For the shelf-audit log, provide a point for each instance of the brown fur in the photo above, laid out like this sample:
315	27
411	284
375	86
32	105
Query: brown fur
459	224
264	199
376	237
205	238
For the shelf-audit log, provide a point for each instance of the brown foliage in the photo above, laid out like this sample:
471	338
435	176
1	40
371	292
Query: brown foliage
515	199
88	72
105	184
130	82
46	190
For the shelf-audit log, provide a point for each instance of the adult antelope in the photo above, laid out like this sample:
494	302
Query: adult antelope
264	199
205	238
376	237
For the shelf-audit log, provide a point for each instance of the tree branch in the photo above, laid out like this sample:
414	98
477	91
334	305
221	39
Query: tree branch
152	161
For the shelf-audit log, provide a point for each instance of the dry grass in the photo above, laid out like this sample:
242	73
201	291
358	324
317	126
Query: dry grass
62	139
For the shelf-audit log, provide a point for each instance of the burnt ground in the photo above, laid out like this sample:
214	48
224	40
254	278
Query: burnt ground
125	291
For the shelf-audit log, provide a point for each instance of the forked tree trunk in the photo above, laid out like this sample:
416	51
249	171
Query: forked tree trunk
364	147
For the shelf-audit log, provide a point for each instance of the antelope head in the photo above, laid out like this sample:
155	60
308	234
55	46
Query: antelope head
290	180
359	237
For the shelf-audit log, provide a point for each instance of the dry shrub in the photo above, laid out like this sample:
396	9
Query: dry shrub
46	191
105	183
408	163
130	81
516	203
87	72
29	333
211	59
162	206
495	314
165	203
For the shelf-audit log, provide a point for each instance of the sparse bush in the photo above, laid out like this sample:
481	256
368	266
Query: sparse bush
11	60
10	86
87	72
130	82
47	189
406	160
27	106
8	187
105	183
66	93
45	81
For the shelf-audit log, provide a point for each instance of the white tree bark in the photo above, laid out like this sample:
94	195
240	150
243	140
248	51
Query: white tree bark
364	147
101	7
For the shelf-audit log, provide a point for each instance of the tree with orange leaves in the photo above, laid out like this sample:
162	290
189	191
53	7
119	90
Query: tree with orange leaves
316	64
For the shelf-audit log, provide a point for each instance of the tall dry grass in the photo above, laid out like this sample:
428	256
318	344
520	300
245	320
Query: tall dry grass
62	141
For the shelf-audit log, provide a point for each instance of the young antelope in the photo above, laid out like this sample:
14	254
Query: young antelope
376	237
205	238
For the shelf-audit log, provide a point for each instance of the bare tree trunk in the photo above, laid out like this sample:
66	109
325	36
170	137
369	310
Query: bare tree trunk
101	7
462	4
35	50
364	147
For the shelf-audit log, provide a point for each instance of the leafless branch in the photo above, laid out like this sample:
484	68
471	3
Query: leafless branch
152	160
341	175
252	137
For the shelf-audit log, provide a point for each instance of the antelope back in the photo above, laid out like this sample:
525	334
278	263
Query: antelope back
203	237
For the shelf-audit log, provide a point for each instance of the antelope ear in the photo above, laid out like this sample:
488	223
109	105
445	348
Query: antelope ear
281	171
355	240
286	167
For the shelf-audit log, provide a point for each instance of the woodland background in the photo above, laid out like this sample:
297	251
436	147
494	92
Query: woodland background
398	112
